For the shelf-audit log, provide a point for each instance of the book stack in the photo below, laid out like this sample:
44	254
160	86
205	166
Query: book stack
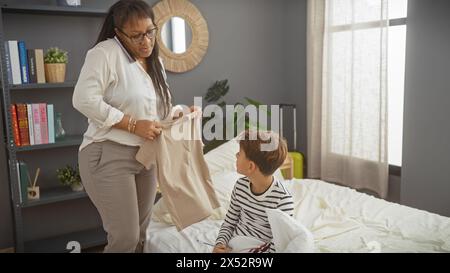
33	124
24	65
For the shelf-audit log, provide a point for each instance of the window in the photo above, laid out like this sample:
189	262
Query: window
359	16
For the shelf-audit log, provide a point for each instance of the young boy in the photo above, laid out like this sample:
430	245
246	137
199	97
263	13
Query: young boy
255	192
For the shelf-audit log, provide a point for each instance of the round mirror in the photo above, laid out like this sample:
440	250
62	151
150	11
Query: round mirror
176	35
183	35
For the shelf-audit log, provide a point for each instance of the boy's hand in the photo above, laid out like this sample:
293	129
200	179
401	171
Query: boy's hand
220	248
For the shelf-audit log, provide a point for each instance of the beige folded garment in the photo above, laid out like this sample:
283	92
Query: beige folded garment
183	175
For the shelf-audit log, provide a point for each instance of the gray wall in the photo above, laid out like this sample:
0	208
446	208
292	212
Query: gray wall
426	146
252	44
245	47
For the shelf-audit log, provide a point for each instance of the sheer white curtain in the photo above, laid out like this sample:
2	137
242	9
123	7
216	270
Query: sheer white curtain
347	92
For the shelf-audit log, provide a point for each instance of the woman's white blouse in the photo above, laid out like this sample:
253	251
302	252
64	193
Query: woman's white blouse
112	84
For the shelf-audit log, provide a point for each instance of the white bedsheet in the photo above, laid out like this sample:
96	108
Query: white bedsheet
197	238
341	220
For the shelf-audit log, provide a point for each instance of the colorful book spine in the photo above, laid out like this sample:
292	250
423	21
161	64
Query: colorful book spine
30	123
32	65
44	122
23	62
36	124
22	118
15	62
15	125
40	70
8	63
51	123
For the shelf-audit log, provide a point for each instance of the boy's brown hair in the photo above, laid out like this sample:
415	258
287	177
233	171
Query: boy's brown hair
267	161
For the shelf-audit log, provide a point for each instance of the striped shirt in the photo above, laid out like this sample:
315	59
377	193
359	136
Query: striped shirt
247	215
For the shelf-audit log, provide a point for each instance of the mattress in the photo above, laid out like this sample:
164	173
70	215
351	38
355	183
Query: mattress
341	220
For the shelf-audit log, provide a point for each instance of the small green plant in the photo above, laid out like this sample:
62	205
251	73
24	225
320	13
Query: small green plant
217	93
55	55
69	176
218	90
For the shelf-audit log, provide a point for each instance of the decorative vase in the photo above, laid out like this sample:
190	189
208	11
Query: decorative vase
55	73
60	133
77	187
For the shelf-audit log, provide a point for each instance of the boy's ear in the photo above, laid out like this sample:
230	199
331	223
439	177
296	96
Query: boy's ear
252	168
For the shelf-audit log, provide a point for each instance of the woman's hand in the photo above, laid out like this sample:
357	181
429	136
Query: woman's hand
220	248
148	129
194	108
179	113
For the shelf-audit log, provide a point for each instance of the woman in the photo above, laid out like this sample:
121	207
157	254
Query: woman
122	90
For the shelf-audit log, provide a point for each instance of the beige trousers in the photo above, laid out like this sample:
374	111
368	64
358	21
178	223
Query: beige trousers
122	190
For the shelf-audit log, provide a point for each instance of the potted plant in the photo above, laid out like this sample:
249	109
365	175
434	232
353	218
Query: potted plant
70	176
55	61
215	95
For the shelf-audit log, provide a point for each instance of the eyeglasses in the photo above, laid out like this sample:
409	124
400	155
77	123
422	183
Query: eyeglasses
139	38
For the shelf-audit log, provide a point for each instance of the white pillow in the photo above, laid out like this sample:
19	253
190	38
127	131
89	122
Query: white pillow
223	158
223	184
289	235
245	244
278	175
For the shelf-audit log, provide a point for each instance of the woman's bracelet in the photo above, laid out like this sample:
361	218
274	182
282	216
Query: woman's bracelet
133	128
130	123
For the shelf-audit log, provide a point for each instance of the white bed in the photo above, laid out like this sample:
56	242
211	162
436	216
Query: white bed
340	219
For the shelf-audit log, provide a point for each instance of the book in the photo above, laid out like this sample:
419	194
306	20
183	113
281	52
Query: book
8	63
44	122
40	70
51	123
22	119
15	62
30	123
24	180
15	125
19	183
32	65
36	124
23	62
